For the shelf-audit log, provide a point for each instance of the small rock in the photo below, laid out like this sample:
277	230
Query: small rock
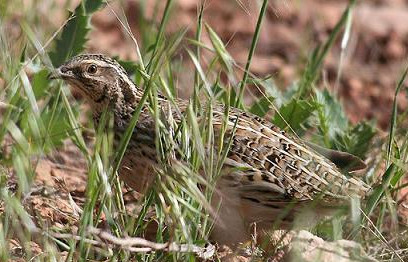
308	247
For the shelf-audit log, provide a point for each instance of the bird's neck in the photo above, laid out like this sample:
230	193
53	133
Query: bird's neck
122	100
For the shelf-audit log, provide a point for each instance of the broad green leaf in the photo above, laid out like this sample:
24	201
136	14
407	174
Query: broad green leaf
332	119
294	114
262	106
40	83
290	92
59	128
72	40
271	89
356	141
129	66
92	6
74	36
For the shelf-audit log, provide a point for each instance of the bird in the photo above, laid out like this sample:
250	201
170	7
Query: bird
265	170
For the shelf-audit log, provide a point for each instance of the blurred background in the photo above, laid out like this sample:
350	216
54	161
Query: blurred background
371	62
362	67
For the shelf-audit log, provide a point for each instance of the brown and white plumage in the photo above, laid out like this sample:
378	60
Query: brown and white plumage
265	170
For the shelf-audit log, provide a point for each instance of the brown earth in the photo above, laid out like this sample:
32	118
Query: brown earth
373	61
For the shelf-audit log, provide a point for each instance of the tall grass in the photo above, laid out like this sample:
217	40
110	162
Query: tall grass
39	115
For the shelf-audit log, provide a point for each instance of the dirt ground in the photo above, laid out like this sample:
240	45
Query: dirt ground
373	62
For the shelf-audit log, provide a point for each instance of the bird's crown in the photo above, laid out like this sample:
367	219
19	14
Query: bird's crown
100	79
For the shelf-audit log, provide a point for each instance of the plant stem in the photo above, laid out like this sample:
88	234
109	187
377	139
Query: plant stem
238	102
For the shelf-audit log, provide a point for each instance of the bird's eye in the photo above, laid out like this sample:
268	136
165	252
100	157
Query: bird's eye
92	69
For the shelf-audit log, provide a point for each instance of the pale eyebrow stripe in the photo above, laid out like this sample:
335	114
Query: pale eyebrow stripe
97	62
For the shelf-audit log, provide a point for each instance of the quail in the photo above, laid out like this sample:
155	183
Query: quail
265	171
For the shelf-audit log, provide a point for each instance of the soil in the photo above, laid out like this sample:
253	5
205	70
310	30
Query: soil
373	61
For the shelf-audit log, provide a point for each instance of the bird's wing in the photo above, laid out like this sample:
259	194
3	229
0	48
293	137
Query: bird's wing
267	163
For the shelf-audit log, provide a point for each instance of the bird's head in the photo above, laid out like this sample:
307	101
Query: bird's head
100	79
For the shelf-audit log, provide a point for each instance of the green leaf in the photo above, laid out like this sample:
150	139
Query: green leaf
74	35
290	92
332	119
129	66
262	106
91	6
295	113
40	83
58	126
357	140
271	89
72	40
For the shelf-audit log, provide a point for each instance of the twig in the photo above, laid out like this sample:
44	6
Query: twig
137	244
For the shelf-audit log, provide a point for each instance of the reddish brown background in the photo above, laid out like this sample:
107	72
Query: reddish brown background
374	58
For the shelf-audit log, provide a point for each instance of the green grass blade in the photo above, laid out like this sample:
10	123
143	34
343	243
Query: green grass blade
238	102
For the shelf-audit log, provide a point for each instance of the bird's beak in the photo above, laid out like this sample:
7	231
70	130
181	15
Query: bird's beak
55	74
62	72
